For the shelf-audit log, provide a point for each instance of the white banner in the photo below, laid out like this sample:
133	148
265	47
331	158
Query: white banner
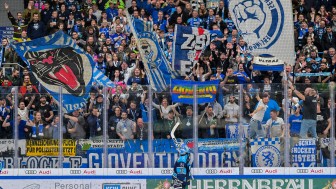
266	26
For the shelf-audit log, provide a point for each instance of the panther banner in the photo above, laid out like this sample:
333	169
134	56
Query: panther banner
266	152
266	26
56	60
189	43
183	91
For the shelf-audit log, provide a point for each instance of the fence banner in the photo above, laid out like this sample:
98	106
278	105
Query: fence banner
50	147
183	91
304	154
266	152
232	130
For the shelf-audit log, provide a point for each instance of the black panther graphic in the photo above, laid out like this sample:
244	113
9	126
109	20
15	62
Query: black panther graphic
60	67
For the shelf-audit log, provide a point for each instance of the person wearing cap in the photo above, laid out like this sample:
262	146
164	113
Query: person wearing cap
168	124
100	63
126	127
295	120
256	129
69	23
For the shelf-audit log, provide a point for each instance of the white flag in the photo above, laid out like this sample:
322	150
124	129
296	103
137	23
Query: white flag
266	26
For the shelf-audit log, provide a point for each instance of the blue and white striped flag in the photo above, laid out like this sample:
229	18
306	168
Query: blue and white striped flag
157	67
101	78
142	26
266	26
56	60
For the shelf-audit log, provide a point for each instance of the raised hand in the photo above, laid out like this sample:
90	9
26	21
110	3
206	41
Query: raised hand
249	16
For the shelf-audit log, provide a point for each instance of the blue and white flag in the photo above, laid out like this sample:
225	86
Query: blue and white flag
142	26
100	78
266	26
156	65
56	60
304	153
189	43
267	63
266	152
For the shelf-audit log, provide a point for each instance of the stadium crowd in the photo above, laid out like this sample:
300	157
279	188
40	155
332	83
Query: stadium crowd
100	28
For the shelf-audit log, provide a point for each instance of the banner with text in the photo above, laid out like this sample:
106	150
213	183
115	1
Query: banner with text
303	153
183	91
50	147
189	43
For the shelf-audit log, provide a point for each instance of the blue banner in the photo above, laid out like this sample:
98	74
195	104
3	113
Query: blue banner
142	26
232	130
189	43
55	61
157	67
183	91
124	154
304	153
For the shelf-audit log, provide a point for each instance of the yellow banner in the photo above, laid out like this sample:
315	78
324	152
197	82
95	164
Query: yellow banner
50	147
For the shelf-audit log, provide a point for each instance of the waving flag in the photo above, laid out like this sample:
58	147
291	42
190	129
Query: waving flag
55	61
157	67
142	26
266	26
189	43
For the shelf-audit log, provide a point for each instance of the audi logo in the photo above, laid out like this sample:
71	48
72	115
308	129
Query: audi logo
167	171
121	172
256	171
30	172
211	171
75	172
302	171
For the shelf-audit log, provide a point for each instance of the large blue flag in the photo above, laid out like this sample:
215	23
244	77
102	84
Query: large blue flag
157	67
55	61
142	26
189	43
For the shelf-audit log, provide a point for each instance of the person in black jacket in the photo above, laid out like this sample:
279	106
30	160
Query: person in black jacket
19	24
36	28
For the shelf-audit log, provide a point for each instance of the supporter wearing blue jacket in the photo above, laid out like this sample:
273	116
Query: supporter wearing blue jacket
111	11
